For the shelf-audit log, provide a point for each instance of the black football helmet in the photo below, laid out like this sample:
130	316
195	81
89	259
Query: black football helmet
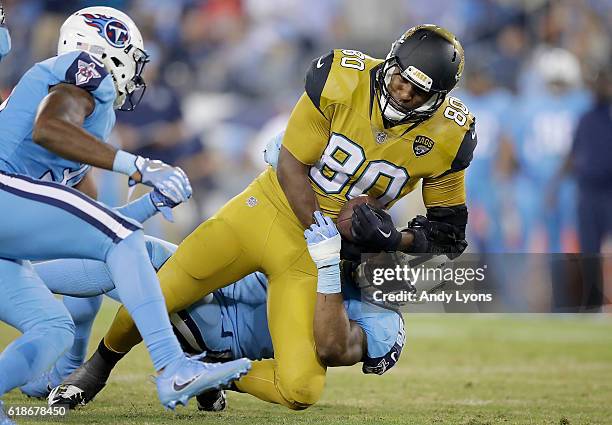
432	59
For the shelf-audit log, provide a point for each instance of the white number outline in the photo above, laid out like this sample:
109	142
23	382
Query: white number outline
456	111
353	59
319	172
377	176
337	138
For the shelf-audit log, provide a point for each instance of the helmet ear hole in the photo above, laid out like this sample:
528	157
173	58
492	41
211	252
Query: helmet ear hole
116	61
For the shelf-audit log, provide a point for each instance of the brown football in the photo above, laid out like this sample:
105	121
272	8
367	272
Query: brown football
344	221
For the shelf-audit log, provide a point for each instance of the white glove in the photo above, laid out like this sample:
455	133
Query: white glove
323	241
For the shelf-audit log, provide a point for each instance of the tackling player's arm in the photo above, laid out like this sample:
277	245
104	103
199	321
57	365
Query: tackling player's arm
305	139
339	341
58	127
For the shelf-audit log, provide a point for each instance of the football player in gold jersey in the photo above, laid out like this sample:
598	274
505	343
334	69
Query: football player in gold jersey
363	125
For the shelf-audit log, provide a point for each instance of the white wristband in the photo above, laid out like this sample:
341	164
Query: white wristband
328	279
125	163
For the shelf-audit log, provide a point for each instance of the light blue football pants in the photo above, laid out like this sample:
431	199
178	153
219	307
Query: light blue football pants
42	221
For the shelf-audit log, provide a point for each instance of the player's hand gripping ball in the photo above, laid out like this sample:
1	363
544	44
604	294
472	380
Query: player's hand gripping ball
345	217
363	221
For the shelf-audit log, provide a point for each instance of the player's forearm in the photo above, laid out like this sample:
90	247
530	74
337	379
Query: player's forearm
331	329
73	143
293	178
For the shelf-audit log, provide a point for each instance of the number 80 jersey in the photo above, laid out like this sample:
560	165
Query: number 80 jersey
337	127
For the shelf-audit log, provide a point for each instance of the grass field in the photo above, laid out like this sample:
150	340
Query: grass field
455	369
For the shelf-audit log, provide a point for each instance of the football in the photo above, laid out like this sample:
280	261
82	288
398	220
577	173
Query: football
343	223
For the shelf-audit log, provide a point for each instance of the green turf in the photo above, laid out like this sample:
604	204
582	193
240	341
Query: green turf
455	369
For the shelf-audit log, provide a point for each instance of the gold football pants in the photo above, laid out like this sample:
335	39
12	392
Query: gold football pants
253	231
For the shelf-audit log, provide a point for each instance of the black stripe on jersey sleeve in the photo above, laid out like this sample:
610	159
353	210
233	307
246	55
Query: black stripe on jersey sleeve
466	150
316	76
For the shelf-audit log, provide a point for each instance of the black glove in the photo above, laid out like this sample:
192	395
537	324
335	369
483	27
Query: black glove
374	228
435	237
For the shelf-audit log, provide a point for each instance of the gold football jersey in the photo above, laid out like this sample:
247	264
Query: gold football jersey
337	127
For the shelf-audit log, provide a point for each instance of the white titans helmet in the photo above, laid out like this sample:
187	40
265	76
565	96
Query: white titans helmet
557	65
111	36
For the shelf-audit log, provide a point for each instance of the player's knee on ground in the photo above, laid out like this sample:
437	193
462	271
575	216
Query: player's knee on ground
302	391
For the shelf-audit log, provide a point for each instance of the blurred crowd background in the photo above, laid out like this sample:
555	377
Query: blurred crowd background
225	74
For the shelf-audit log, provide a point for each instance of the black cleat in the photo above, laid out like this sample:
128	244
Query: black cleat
66	396
82	385
212	401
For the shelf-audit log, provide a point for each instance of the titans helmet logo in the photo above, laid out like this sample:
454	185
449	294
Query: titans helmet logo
114	31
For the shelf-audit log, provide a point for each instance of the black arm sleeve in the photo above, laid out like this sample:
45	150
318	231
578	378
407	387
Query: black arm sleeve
456	216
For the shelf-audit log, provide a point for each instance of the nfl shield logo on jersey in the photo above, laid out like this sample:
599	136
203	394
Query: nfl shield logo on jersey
422	145
86	72
252	202
381	137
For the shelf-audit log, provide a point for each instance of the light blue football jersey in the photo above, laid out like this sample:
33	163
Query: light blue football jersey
18	152
484	197
233	323
492	109
543	130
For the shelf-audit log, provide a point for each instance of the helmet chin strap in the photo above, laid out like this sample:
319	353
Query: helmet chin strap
389	112
429	103
392	114
119	100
